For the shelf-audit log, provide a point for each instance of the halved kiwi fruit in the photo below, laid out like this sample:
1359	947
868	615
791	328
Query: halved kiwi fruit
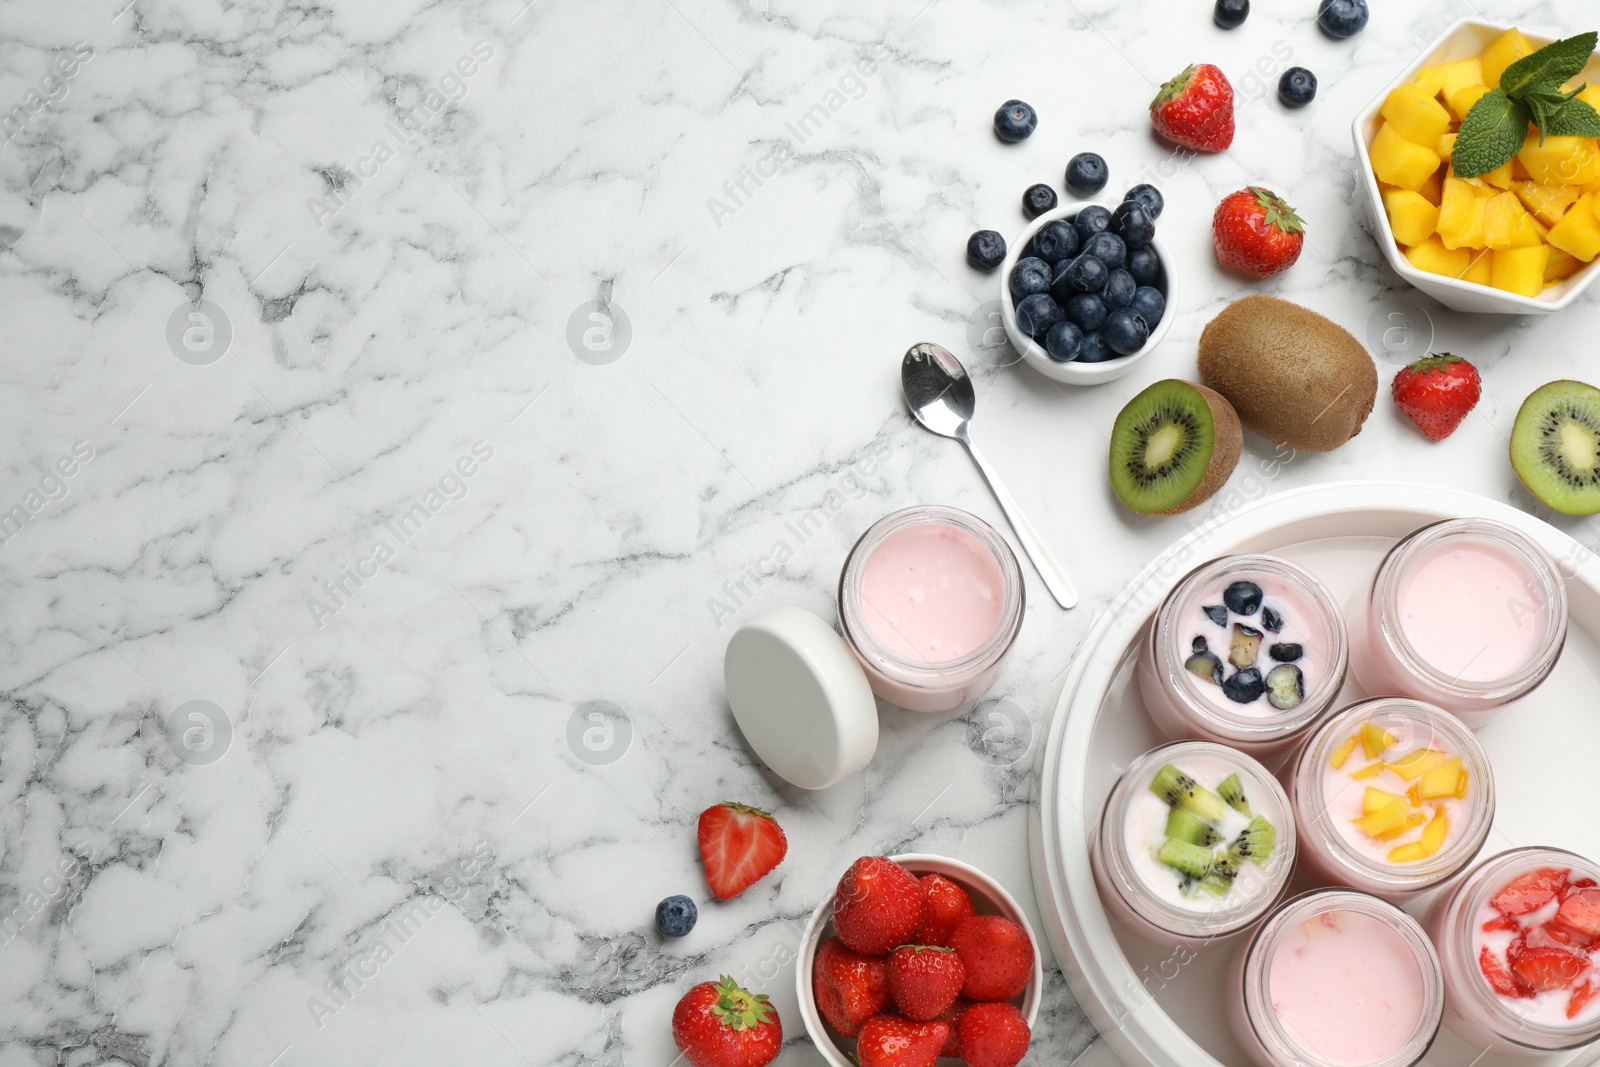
1172	447
1555	446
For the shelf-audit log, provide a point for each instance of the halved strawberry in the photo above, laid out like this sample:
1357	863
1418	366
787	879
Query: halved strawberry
1581	996
1530	891
738	845
1500	980
1580	912
1545	968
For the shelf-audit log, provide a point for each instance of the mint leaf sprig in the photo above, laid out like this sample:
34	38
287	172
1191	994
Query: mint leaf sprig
1529	91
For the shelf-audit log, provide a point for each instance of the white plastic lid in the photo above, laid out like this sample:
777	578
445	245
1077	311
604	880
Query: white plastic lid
800	698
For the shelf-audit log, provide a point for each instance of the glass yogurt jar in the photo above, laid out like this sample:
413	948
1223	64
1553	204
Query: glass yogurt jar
1249	651
930	602
1468	614
1391	796
1195	844
1336	978
1514	938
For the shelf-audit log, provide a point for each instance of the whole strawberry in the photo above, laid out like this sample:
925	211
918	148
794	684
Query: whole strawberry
890	1041
738	845
993	1035
877	906
1195	109
850	988
1257	233
948	906
1437	392
925	980
952	1015
997	955
718	1024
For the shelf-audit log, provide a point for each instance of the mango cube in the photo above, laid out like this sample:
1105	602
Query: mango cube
1578	232
1560	160
1500	178
1433	257
1459	74
1401	162
1342	753
1371	770
1520	270
1462	99
1414	820
1591	96
1375	799
1416	763
1479	272
1501	52
1507	224
1389	817
1415	115
1375	740
1430	80
1547	202
1446	147
1434	834
1432	190
1440	782
1561	265
1462	215
1407	853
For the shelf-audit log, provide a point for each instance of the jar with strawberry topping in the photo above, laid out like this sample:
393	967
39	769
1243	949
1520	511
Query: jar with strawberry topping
1519	940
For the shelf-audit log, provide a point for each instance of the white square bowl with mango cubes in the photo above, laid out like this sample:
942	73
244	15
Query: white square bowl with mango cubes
1460	240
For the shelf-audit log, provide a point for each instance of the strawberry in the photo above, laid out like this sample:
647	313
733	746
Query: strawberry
1581	883
1580	912
850	988
877	906
1256	232
1545	968
1500	980
952	1016
1436	392
1195	109
1580	997
925	980
1500	922
738	845
948	906
1529	892
717	1024
997	955
993	1035
890	1041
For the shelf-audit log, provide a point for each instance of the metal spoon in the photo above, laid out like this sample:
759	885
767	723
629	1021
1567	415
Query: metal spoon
940	396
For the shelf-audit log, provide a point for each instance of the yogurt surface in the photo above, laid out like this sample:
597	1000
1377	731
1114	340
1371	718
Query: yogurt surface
932	593
1468	609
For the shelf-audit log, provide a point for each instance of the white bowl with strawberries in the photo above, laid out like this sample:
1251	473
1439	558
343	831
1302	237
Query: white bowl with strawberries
915	957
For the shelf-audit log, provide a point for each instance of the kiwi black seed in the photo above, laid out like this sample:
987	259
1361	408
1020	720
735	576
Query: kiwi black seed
1172	447
1555	446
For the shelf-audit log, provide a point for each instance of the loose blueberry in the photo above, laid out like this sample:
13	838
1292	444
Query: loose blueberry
1342	18
1243	598
1199	644
1285	652
1149	305
1244	686
1091	220
1230	14
1150	197
1119	290
1217	614
1087	310
1036	314
1093	349
1014	121
1271	620
1144	265
1125	332
676	916
1206	666
1297	87
1056	241
986	250
1037	199
1108	248
1062	342
1132	224
1086	174
1029	276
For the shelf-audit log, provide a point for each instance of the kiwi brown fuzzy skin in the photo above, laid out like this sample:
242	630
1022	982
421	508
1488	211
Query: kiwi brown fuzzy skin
1294	377
1229	442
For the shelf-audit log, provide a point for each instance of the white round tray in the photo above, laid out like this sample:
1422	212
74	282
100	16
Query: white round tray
1163	1007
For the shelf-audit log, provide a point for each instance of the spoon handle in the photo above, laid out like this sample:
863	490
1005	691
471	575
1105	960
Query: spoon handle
1055	579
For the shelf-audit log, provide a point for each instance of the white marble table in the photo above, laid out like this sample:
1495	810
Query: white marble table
376	508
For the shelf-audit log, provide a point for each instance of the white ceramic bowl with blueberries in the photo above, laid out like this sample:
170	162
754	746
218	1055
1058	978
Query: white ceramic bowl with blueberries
1092	301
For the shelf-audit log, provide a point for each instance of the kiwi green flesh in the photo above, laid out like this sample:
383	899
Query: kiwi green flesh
1555	446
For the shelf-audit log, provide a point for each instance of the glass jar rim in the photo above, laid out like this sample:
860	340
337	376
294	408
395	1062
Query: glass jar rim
924	673
1541	568
1263	946
1162	914
1170	650
1313	765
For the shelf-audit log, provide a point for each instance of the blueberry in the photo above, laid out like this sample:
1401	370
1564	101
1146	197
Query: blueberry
1093	349
1244	686
1297	87
1125	332
1119	290
1285	652
1216	613
1036	314
1092	220
1199	644
1150	197
1342	18
1108	248
1056	241
1086	174
1144	265
1086	274
676	916
1087	310
1037	199
1149	305
1271	620
1014	121
1029	276
1130	223
1230	14
1062	342
986	250
1242	598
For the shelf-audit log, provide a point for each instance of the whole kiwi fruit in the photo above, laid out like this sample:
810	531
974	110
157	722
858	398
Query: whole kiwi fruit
1294	377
